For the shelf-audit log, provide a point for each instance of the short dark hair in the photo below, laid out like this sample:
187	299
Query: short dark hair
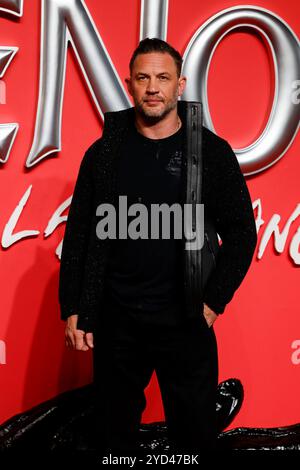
156	45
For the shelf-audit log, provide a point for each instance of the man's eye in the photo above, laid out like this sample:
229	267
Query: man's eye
163	78
141	78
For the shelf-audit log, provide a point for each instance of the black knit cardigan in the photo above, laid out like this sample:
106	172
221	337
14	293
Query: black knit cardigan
84	257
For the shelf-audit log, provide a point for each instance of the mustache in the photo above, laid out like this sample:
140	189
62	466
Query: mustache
152	98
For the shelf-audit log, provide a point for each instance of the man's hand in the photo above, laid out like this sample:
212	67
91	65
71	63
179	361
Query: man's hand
77	339
209	315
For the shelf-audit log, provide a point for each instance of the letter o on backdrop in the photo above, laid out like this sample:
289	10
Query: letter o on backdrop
283	122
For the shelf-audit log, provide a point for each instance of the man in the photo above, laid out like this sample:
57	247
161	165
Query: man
135	301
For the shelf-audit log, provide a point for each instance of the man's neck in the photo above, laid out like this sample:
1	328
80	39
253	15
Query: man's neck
158	130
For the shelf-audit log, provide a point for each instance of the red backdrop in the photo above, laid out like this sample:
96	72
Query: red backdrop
258	333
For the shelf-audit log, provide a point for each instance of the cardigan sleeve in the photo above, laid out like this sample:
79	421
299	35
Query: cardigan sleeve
235	223
76	238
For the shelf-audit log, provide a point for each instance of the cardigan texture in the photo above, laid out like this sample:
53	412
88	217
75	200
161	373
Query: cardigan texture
227	204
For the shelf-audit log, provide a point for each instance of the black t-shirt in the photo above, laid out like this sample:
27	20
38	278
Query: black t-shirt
145	275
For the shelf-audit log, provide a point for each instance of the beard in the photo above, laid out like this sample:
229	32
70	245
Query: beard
155	115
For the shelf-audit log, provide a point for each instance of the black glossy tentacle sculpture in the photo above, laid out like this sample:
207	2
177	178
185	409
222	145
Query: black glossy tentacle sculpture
54	425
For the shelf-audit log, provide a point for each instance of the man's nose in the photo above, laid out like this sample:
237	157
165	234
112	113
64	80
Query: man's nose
152	86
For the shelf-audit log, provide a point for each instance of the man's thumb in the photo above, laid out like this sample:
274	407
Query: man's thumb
89	338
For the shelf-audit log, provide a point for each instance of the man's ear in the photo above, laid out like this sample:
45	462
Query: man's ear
128	83
181	85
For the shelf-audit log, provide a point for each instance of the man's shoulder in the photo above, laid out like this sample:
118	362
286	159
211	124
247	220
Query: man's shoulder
113	121
92	150
94	146
216	150
120	114
212	141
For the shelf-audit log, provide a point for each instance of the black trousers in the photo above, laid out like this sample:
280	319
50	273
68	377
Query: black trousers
127	351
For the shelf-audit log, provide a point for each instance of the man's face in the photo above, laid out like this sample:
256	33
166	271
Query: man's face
155	85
